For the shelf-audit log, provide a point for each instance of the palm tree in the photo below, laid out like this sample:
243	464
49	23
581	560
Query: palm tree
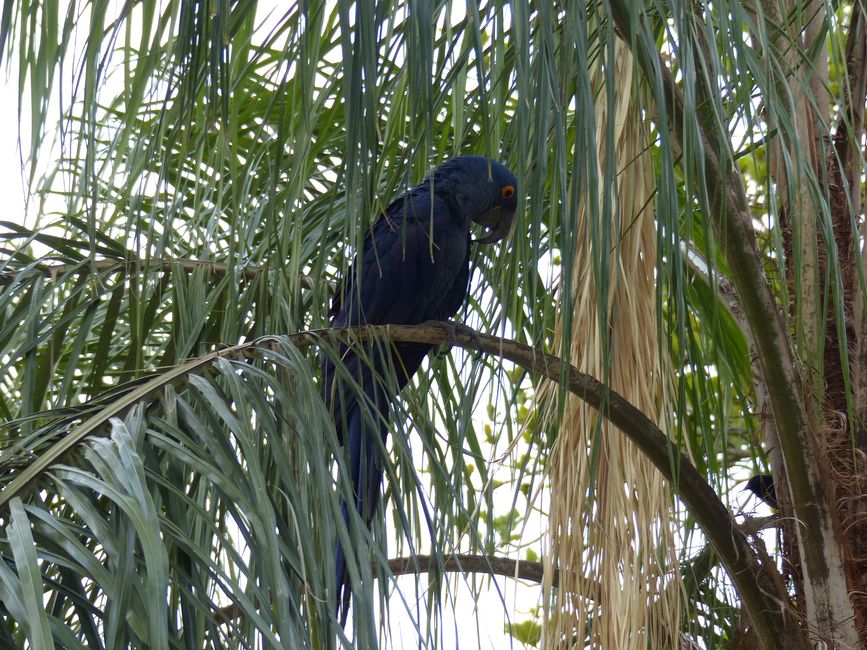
679	305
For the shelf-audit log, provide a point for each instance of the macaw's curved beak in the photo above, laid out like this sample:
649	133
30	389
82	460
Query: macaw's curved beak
497	222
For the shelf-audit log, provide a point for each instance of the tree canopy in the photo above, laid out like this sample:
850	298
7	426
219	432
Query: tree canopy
679	306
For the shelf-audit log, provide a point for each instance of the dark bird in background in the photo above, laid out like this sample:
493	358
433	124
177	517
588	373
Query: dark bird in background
414	267
762	485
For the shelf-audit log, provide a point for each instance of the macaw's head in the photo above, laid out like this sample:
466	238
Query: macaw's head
485	190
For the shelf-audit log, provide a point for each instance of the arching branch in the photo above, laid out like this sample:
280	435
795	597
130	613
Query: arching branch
468	563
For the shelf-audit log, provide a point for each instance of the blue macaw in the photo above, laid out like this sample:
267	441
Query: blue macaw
414	267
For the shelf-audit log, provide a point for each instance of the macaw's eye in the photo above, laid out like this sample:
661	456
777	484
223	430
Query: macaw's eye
507	192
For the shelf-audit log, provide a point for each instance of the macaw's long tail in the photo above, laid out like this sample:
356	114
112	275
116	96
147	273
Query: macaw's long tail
365	466
363	433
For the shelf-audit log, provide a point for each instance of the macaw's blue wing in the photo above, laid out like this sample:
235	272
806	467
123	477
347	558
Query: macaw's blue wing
414	267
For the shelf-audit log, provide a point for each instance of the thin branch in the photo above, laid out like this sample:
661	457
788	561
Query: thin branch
503	566
456	563
465	563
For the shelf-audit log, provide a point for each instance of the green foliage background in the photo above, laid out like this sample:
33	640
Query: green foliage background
219	162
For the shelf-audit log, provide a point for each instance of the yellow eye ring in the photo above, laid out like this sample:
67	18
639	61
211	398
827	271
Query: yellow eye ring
507	192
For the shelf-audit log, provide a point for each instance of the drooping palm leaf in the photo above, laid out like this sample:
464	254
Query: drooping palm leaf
216	166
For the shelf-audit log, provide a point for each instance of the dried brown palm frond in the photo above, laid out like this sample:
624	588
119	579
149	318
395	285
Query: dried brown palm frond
610	531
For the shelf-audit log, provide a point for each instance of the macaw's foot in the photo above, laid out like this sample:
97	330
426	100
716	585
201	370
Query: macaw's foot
465	331
461	331
455	330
